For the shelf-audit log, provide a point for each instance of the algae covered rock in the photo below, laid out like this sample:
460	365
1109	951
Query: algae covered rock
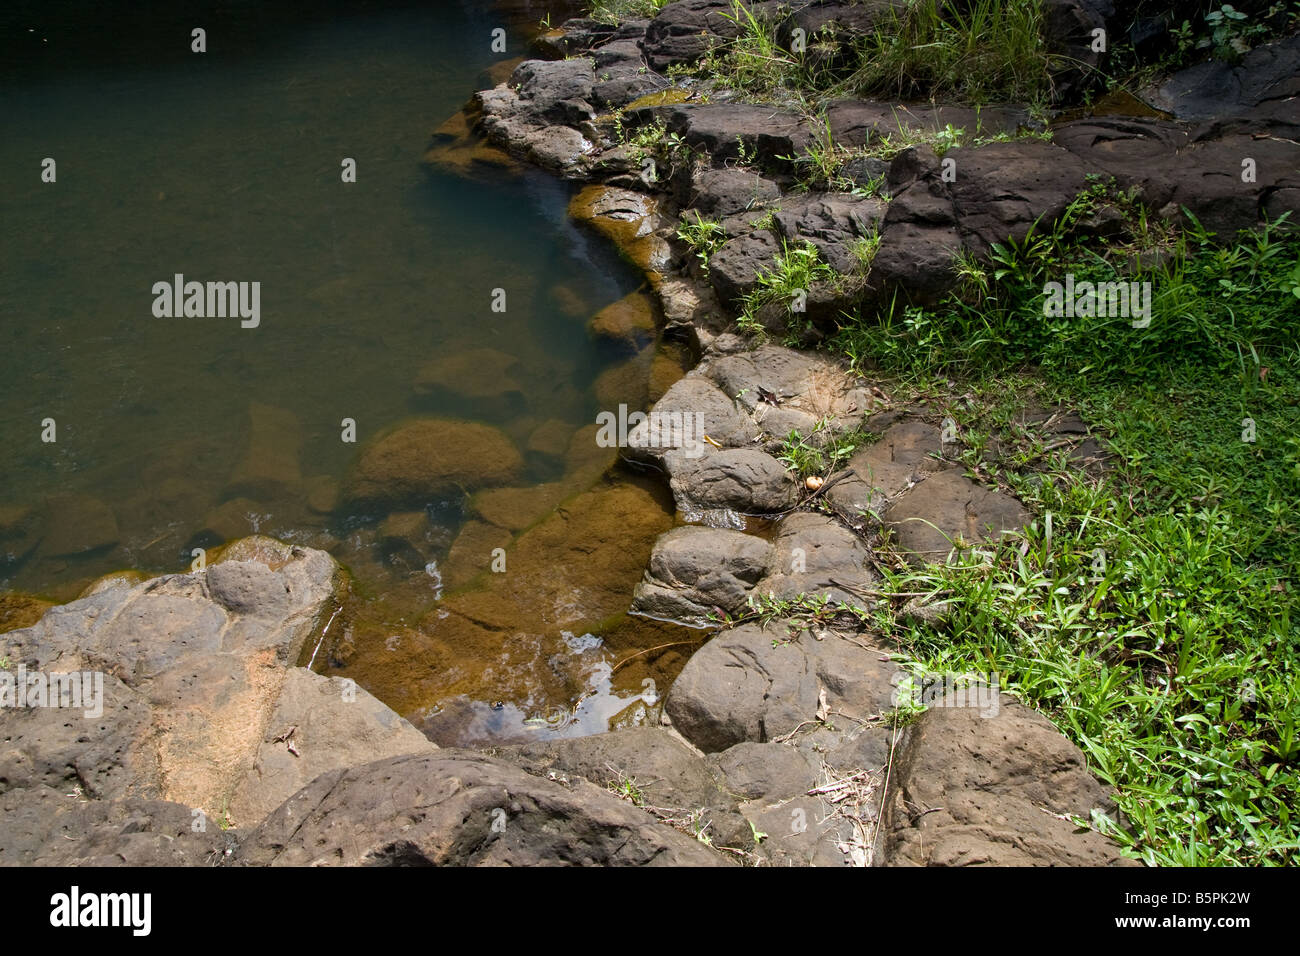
432	457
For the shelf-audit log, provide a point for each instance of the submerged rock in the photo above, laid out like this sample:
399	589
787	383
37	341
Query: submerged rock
630	220
77	525
269	467
628	323
427	459
473	373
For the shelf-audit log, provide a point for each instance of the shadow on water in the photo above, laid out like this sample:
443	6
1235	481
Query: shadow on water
375	306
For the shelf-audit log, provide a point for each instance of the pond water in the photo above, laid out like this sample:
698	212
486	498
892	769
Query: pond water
375	305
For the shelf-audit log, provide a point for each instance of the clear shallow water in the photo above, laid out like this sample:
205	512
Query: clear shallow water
226	167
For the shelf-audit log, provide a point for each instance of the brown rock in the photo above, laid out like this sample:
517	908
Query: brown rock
426	459
268	467
628	323
995	788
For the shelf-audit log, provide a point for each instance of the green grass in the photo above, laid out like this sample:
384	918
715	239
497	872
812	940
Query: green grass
616	11
795	271
704	236
1150	614
978	52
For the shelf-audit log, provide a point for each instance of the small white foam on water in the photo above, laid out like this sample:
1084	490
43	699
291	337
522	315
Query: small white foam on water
587	642
431	569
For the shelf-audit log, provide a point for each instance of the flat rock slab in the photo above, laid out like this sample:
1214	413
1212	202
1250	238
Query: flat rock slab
989	790
335	724
197	675
44	826
866	122
460	808
886	469
947	513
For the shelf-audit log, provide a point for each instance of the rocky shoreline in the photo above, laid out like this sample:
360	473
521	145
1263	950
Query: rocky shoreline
779	744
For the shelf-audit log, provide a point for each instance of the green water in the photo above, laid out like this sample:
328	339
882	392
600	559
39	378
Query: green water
228	168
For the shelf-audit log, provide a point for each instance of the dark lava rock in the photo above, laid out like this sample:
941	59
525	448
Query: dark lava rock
694	571
1217	91
735	267
719	193
722	130
460	808
974	788
755	684
684	31
1002	189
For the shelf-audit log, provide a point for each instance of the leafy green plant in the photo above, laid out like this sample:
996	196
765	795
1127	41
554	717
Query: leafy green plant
822	452
1232	33
796	271
704	236
616	11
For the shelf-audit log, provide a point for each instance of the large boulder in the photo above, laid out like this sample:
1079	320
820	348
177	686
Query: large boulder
993	786
695	572
331	724
745	480
46	826
816	556
197	682
754	683
719	193
534	115
460	808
